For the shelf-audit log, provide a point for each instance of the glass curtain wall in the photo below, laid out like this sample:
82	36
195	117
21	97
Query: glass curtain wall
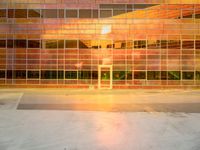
62	43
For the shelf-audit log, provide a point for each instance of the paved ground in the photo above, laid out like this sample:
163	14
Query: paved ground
114	101
31	119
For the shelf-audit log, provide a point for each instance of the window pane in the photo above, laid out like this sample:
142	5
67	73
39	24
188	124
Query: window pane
197	14
2	13
33	44
85	13
118	75
50	13
34	13
187	44
20	43
143	6
48	74
95	44
2	73
71	74
188	16
20	13
129	44
153	44
60	74
61	13
105	44
20	74
187	13
139	75
9	74
10	13
113	6
95	14
197	44
118	12
71	13
60	43
94	74
129	75
33	74
197	75
163	44
51	44
105	13
120	44
140	44
105	75
129	7
2	43
10	43
71	44
174	75
84	75
163	75
84	44
188	75
153	75
174	44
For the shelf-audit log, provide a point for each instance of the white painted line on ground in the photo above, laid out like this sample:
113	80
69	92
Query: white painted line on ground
151	110
18	101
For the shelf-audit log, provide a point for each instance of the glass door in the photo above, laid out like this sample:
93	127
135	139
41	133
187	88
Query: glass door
105	77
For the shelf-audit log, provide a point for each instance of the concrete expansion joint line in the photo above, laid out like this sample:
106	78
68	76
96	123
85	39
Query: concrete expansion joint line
18	101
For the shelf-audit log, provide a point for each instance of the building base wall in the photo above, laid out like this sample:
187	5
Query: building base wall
96	87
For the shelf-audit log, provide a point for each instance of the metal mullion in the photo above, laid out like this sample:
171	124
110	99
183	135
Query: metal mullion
40	72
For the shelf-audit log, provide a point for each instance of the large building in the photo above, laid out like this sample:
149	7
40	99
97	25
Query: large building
100	43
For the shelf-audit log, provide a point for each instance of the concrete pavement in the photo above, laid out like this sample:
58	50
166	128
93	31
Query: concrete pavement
102	100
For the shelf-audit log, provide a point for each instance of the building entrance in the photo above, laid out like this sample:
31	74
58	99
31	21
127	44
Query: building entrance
105	76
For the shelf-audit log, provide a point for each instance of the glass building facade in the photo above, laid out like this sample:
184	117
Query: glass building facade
100	43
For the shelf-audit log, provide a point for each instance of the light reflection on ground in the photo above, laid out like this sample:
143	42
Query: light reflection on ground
74	129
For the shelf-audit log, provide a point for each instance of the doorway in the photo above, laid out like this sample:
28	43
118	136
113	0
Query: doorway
105	76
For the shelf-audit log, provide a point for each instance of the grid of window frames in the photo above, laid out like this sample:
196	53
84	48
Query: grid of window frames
154	44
